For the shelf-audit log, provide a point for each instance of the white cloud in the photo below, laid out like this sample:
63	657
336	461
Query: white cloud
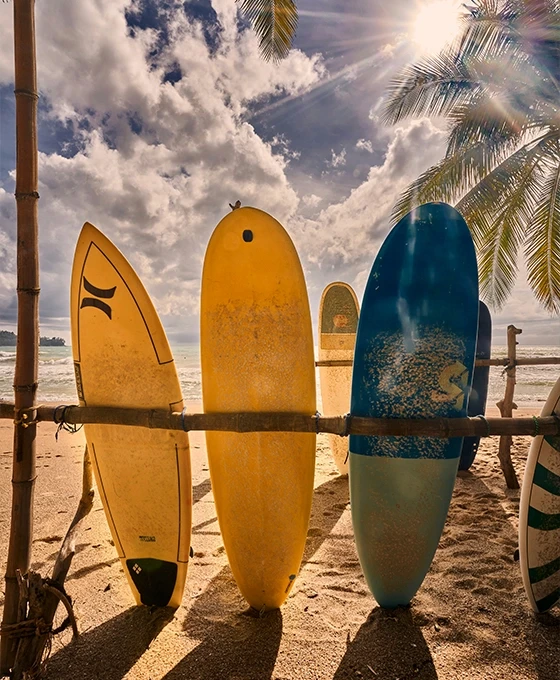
311	200
364	145
342	242
523	311
158	194
337	160
283	145
348	234
6	43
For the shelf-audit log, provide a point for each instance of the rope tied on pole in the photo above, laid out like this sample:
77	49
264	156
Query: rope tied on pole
486	423
26	388
346	431
27	628
59	419
24	420
317	416
30	628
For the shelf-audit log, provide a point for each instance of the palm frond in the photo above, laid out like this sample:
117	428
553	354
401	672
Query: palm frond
480	205
498	87
452	177
543	243
432	87
275	23
487	30
499	246
488	119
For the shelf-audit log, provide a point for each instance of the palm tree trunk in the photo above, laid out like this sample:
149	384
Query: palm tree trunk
25	382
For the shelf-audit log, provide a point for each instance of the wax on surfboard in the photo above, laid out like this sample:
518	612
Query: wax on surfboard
338	322
122	359
414	358
257	355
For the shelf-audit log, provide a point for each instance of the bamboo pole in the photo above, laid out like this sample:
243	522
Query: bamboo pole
25	383
506	406
30	650
341	425
526	361
537	361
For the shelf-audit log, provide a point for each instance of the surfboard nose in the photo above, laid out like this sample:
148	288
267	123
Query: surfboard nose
154	580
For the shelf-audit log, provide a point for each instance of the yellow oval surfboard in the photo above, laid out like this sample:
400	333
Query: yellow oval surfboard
257	355
122	359
338	323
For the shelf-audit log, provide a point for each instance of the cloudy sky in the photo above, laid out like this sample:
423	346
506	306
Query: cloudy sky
155	114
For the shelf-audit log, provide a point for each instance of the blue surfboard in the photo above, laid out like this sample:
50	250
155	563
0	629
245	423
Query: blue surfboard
479	390
414	358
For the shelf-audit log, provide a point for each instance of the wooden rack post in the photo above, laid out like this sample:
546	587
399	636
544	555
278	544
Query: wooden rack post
506	406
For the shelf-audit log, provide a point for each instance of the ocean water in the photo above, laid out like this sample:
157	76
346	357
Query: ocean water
56	375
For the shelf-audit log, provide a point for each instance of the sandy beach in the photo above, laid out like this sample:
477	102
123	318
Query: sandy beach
470	619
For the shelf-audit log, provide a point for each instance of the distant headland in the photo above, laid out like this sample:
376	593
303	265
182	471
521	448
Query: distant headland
9	339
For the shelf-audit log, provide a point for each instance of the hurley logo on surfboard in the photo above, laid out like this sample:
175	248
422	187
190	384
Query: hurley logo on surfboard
104	293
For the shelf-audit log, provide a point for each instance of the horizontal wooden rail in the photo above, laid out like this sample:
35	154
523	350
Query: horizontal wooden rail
289	422
536	361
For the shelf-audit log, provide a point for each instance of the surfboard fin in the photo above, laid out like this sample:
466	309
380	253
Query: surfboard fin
154	579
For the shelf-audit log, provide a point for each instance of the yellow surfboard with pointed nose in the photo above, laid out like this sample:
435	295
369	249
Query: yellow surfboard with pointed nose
257	355
122	359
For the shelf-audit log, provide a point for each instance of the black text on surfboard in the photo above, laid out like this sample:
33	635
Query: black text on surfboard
105	293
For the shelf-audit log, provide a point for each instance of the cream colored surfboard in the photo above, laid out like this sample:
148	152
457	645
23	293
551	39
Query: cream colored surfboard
338	323
539	516
122	358
257	355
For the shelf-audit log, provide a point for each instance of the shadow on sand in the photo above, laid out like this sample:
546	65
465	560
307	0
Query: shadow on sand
236	644
110	650
233	641
329	502
200	490
388	645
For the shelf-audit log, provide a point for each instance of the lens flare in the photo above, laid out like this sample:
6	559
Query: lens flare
435	25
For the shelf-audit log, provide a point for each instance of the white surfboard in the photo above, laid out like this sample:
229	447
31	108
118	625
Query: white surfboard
539	516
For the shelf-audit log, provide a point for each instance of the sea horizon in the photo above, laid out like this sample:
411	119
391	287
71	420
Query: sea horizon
57	384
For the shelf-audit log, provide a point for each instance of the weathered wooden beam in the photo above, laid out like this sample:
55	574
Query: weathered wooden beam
506	406
536	361
295	422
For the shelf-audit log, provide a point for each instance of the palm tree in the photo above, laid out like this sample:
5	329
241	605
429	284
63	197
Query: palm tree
498	88
274	22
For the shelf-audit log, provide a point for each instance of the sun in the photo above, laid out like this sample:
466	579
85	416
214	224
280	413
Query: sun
436	24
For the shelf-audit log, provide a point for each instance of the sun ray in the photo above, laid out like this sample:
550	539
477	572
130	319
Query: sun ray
435	24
